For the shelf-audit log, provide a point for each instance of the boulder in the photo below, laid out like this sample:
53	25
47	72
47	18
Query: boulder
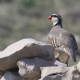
58	63
78	66
12	76
29	68
60	73
1	73
35	78
25	48
51	77
45	71
72	74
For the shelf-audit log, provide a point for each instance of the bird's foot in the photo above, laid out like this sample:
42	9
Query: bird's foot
65	62
62	61
58	59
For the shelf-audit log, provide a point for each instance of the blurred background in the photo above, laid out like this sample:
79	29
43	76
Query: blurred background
28	19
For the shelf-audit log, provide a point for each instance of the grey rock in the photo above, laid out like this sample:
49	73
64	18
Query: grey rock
25	48
35	78
1	73
45	71
53	77
29	68
60	73
12	76
78	66
58	63
72	74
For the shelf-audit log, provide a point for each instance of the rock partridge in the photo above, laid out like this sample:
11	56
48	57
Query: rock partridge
62	40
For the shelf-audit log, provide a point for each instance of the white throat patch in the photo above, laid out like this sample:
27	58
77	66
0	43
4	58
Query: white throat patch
55	20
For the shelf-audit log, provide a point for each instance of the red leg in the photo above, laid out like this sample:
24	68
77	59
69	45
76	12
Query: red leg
62	61
67	59
66	62
57	57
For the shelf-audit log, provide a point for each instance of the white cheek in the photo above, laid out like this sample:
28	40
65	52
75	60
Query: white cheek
55	20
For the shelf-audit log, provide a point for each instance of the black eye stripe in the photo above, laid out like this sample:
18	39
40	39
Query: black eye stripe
53	16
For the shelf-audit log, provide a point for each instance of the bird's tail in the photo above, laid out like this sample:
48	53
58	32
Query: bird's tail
72	54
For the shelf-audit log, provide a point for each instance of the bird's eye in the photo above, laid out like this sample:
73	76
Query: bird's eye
54	16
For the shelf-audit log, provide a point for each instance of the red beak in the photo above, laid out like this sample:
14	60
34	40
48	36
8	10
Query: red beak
49	17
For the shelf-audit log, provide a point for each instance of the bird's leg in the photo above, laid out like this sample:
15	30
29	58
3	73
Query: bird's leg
62	61
57	57
67	59
66	62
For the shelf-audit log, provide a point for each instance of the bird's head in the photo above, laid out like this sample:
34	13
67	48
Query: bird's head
56	19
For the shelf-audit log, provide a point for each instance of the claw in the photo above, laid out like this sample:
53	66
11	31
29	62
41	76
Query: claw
62	61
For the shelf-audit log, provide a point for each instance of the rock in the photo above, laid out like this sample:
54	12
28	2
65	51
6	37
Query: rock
58	63
25	48
55	77
12	76
1	73
72	74
29	68
45	71
35	78
60	73
78	66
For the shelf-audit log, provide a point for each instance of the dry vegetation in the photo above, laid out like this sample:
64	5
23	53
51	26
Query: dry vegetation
28	18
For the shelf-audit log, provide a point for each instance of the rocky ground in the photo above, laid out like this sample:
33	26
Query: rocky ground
29	59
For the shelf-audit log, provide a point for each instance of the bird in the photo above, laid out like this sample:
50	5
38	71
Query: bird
62	40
